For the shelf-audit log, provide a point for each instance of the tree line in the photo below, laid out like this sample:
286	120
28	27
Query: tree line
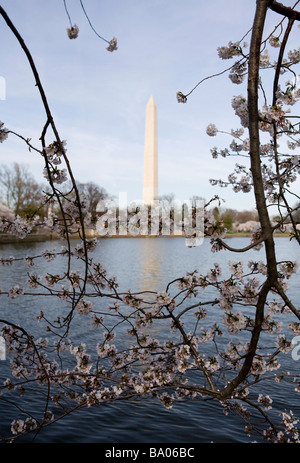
24	196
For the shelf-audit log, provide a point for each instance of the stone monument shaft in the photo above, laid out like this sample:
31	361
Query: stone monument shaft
150	183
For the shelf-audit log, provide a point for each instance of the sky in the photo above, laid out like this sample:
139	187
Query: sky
99	98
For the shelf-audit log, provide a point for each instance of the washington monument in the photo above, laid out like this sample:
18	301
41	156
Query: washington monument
150	183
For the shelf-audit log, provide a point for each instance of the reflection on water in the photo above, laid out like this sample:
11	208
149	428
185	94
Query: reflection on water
150	258
139	264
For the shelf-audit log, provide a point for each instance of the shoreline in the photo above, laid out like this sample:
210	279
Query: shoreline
6	238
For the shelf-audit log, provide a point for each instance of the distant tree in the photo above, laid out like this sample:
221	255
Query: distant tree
92	193
18	189
216	213
6	212
232	212
245	216
227	221
167	197
195	198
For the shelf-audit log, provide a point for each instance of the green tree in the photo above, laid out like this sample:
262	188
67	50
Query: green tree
227	221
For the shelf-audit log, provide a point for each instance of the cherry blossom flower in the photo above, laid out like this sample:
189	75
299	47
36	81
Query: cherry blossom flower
214	153
288	268
233	49
283	344
17	426
237	133
238	72
239	104
84	307
55	149
106	350
166	400
7	262
112	45
289	420
237	269
15	291
29	261
258	366
211	130
33	281
49	256
294	327
294	56
234	322
181	98
265	59
56	175
3	132
73	32
274	41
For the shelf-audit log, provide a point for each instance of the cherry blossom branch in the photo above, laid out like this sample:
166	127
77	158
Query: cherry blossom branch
65	5
253	79
89	21
50	120
280	58
287	301
286	11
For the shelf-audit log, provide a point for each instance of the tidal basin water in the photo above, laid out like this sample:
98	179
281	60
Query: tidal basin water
141	264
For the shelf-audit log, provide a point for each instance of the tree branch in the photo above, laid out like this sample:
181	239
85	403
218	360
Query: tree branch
284	10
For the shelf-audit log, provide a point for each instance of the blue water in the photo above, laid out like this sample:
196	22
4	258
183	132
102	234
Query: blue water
139	264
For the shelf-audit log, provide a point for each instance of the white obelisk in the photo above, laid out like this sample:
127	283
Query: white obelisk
150	184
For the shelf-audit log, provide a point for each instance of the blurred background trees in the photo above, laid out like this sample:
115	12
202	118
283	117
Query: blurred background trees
18	189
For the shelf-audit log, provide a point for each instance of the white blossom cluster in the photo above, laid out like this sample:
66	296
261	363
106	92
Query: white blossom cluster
20	227
3	132
73	32
231	50
112	45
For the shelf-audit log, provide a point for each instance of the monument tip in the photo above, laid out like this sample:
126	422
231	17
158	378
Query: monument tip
151	100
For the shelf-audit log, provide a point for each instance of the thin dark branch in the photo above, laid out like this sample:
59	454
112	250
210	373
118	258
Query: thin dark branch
67	13
50	121
280	58
89	21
